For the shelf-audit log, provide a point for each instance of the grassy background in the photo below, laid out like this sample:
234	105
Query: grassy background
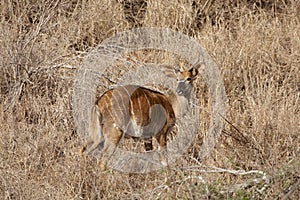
256	45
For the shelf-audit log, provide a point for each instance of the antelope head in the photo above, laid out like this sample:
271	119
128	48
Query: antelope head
184	78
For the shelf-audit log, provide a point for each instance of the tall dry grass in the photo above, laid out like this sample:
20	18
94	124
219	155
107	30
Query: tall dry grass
256	45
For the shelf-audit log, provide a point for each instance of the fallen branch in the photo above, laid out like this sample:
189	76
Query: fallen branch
231	189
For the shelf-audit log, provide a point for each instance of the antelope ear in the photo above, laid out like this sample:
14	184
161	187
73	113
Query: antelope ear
199	66
193	71
176	69
170	71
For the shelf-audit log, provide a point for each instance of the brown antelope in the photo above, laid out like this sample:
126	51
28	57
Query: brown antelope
139	112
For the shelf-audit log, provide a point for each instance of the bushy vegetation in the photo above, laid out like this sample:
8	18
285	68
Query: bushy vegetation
256	45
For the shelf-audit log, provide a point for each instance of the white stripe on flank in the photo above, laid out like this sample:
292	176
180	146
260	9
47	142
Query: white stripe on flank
141	114
129	99
115	92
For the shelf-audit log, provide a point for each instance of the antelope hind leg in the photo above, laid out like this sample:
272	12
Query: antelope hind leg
162	140
84	147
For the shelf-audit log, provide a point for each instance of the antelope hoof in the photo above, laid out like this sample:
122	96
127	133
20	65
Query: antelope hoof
164	163
102	166
82	151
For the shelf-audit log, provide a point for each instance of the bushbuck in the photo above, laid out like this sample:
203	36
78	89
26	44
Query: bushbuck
136	111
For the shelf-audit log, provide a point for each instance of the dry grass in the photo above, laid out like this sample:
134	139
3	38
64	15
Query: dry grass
256	45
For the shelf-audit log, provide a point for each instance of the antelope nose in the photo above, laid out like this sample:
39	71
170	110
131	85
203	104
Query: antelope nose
179	91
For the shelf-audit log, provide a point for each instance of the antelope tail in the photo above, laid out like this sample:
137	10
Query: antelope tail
95	132
94	123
